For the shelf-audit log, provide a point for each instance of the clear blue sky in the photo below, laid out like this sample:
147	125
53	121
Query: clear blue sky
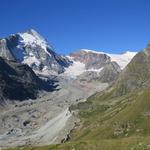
109	25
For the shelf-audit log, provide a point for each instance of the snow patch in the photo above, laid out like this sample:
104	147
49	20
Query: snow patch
92	51
122	59
33	38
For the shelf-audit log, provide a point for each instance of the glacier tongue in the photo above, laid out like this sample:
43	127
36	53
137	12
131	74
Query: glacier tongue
78	68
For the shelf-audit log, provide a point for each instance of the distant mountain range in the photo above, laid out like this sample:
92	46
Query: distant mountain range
32	49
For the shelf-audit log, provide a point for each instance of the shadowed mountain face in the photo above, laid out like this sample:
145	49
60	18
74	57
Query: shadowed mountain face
19	82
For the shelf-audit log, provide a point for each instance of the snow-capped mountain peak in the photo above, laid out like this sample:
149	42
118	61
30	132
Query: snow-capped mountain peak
32	49
121	59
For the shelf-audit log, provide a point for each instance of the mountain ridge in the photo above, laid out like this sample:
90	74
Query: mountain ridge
31	48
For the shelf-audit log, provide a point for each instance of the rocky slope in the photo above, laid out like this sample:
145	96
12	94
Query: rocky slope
19	82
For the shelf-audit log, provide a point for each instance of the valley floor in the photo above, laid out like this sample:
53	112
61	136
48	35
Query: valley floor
45	120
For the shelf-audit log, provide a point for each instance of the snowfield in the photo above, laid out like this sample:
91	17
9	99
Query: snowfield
122	59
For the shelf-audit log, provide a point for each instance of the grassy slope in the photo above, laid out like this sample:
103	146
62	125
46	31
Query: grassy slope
122	144
116	117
